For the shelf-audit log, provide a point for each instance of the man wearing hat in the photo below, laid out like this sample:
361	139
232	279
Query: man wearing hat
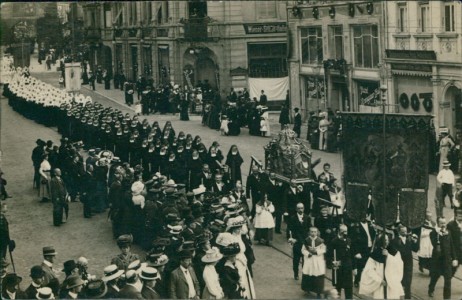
74	287
124	259
37	274
158	260
49	279
183	280
111	277
130	291
10	287
149	277
58	197
70	269
43	293
297	122
96	289
446	180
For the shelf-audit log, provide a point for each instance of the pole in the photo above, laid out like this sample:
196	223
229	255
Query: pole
384	156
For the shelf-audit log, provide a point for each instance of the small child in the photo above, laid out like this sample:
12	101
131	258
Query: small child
263	126
224	125
61	82
138	108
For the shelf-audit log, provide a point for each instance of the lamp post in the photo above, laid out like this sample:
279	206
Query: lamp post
383	90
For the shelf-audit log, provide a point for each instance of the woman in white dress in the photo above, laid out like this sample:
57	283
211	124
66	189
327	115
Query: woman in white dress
233	235
45	177
212	288
265	117
425	245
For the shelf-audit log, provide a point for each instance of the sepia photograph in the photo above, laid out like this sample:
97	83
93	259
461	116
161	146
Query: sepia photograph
207	149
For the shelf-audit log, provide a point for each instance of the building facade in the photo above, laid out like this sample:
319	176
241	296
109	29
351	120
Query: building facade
424	59
226	43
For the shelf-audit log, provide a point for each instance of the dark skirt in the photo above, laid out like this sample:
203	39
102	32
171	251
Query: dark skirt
313	284
264	233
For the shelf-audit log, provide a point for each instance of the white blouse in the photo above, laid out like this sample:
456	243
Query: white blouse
212	281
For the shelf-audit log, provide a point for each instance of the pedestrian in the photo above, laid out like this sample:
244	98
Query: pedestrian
234	161
37	158
149	277
70	269
50	278
425	245
445	145
446	180
455	231
230	279
111	277
297	231
44	293
362	236
263	127
284	117
37	275
183	280
95	289
263	99
314	265
131	289
224	130
323	131
45	177
59	198
274	190
444	258
10	287
343	268
297	122
3	193
212	288
126	257
264	222
406	244
74	287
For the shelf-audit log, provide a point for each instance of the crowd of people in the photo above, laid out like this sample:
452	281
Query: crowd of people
187	207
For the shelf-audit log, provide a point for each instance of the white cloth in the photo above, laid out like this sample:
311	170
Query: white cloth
265	115
314	265
366	228
446	176
45	167
371	283
275	88
224	126
337	198
137	108
246	280
263	216
187	275
212	282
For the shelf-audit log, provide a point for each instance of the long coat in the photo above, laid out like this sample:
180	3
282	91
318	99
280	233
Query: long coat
344	254
179	288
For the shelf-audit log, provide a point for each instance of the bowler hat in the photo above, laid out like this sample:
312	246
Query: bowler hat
188	245
96	289
183	254
11	279
69	266
36	272
49	251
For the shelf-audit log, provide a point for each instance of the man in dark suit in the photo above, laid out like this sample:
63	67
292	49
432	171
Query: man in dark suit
363	235
10	287
454	229
204	178
183	280
149	277
343	266
49	279
58	197
37	274
254	186
218	186
294	194
405	245
297	231
275	191
297	122
130	290
444	258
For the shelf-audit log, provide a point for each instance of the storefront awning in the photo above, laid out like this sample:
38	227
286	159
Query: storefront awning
411	73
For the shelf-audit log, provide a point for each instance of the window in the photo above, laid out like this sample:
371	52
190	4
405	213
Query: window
449	17
366	46
147	12
267	60
311	42
402	17
266	9
147	59
132	14
107	15
336	38
197	9
424	17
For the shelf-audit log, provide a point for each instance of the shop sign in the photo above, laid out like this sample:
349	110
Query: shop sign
412	67
265	28
411	54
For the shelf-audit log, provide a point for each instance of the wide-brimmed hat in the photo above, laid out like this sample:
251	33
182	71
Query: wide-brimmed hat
200	190
96	289
446	163
188	245
111	272
74	281
235	222
231	249
157	260
212	255
44	293
149	273
125	240
37	272
49	251
11	279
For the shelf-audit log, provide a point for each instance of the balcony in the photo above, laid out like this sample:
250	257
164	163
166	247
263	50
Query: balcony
195	29
92	34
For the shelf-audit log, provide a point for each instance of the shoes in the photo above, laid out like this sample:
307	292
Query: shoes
44	199
296	277
430	294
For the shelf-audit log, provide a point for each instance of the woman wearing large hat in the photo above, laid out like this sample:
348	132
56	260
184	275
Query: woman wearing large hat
212	288
126	257
231	280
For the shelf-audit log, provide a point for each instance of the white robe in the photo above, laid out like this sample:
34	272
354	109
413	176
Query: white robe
373	275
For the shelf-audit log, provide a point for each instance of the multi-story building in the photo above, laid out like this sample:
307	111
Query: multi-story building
335	58
424	59
227	43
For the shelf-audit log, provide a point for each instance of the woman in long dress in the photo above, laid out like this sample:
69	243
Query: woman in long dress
234	161
212	288
265	117
383	270
233	235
